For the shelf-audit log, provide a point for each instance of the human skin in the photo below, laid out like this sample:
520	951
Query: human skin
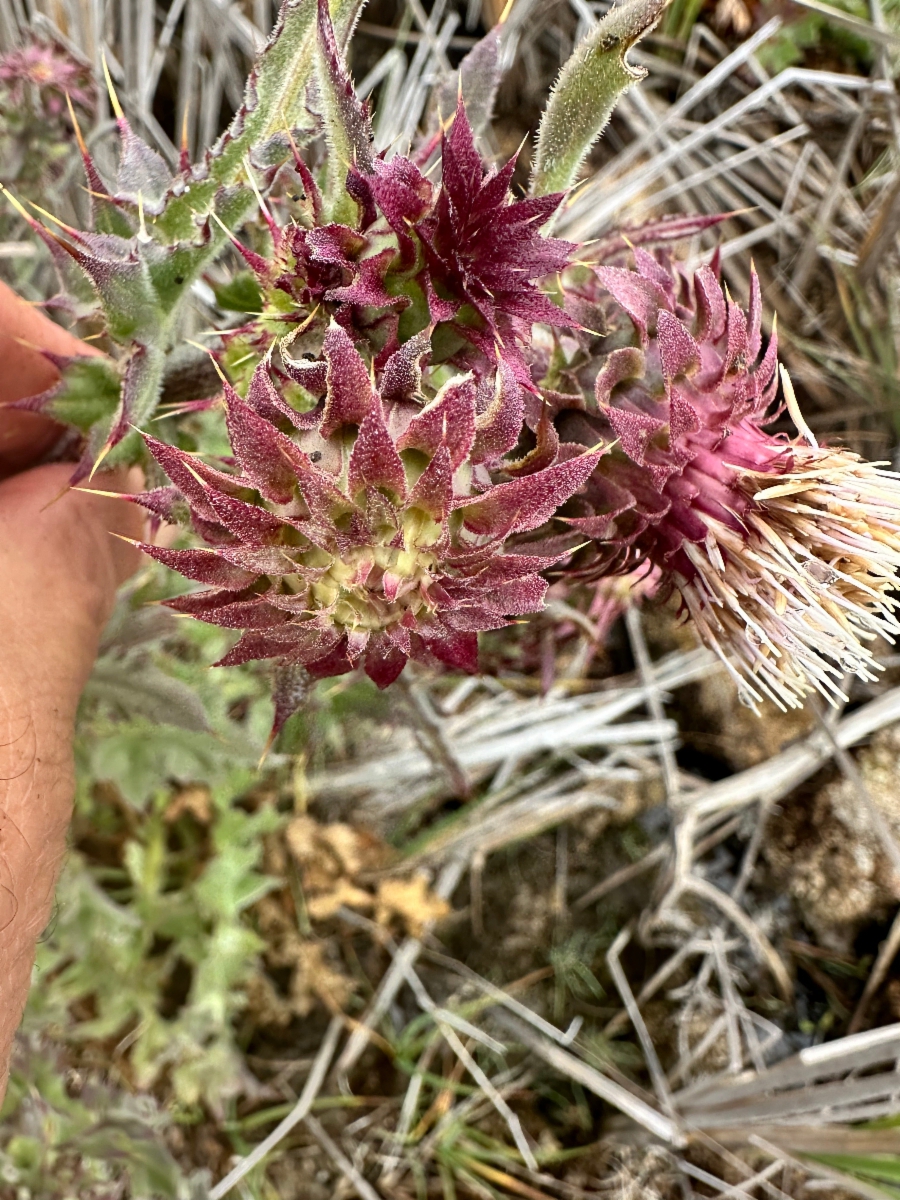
59	569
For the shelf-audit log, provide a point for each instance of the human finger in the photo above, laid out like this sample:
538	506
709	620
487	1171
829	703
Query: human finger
59	567
24	330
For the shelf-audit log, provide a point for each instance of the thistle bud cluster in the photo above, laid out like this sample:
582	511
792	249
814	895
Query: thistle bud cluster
40	75
459	262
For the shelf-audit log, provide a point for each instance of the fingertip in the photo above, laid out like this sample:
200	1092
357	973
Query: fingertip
25	326
26	437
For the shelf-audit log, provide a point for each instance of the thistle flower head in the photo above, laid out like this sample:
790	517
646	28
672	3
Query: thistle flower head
785	554
366	534
50	69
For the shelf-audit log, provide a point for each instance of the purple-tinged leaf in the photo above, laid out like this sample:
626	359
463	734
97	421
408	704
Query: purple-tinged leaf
141	385
678	352
670	228
499	423
258	264
434	488
402	375
324	499
264	398
754	317
710	305
164	503
683	418
290	692
487	250
269	560
635	431
297	604
384	662
651	268
463	168
196	603
367	289
518	596
293	642
347	126
143	177
543	454
453	648
738	350
473	618
404	196
501	569
357	640
310	188
640	298
235	614
248	522
335	662
121	280
311	374
106	216
336	244
206	566
766	372
191	475
625	363
359	187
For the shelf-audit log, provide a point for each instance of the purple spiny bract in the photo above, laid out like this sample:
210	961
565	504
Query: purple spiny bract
485	253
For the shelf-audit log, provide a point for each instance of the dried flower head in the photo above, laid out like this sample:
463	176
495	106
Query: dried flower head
785	554
799	596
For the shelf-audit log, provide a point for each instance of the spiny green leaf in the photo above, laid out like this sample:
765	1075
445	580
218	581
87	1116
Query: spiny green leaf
347	126
143	690
87	393
142	384
586	92
275	103
129	300
240	294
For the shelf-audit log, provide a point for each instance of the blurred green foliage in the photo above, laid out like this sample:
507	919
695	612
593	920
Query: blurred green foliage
144	963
